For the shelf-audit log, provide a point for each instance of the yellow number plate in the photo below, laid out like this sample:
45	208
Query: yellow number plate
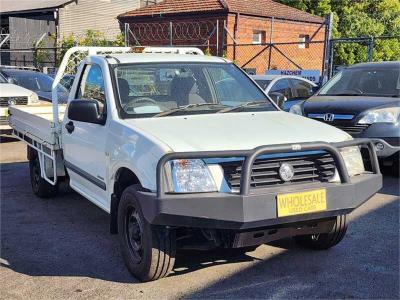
301	203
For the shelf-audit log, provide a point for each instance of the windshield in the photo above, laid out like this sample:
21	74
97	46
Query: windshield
263	83
37	82
156	90
367	82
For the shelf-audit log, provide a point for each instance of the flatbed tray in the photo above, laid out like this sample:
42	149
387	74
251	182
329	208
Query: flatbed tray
36	121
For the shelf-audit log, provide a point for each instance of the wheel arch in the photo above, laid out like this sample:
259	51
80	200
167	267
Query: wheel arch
123	178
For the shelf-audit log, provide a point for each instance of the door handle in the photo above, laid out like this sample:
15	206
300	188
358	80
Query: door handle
70	127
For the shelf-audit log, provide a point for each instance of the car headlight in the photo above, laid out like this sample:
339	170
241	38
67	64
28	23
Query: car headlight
33	99
353	160
382	115
296	109
191	176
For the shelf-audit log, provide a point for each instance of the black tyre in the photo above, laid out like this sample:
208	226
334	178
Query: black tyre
396	166
325	241
40	187
148	250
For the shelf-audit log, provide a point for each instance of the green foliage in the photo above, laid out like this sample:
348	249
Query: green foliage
91	38
359	18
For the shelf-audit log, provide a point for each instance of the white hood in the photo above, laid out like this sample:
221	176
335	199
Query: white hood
12	90
235	131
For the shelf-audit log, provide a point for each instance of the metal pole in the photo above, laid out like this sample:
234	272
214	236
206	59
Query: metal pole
127	34
170	34
328	51
371	49
223	39
270	43
217	37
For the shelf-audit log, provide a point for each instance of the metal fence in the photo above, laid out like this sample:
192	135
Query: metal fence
345	51
279	49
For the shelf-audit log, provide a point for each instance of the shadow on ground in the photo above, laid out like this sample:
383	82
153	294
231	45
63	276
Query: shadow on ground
68	236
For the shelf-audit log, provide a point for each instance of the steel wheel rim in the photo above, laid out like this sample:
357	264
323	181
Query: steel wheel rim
315	237
134	233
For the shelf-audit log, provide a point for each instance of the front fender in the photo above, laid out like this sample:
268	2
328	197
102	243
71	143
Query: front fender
135	151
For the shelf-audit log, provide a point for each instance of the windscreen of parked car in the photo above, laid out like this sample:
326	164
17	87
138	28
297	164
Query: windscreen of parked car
363	81
147	90
35	81
263	83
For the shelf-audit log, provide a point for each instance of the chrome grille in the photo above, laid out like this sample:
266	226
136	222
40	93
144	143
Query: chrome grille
4	101
343	122
352	129
317	167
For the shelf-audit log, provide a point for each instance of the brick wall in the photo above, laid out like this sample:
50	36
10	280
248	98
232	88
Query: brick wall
278	31
154	31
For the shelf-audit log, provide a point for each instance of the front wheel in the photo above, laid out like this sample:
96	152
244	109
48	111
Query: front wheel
148	250
40	187
325	241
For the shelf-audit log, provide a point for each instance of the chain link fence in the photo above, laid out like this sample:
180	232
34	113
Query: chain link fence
278	47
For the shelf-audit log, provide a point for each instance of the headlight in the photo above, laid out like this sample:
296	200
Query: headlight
382	115
191	176
296	109
33	99
353	160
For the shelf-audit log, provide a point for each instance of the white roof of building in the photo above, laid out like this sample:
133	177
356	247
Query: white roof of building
9	6
127	58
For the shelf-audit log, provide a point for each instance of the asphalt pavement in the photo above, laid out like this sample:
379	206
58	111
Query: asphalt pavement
61	248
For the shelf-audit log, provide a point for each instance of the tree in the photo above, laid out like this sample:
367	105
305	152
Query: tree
359	18
90	38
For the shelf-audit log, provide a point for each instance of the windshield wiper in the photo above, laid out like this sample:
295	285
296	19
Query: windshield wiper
244	105
185	108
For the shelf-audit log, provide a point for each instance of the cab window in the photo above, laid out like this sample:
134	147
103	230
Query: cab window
282	86
303	89
92	86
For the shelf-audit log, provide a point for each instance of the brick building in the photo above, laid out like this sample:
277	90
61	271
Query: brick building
257	35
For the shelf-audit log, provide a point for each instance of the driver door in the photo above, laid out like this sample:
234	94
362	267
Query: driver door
85	146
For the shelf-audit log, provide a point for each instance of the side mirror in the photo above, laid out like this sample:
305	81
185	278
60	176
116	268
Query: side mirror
278	98
85	111
10	80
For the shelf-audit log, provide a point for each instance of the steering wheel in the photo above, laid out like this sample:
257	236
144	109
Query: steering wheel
132	105
358	91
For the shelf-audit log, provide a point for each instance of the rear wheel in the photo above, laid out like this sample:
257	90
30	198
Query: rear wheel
40	187
148	250
325	241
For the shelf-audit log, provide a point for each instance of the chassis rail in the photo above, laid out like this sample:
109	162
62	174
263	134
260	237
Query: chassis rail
251	155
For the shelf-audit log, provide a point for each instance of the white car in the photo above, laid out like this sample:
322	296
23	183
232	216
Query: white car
11	94
287	90
157	141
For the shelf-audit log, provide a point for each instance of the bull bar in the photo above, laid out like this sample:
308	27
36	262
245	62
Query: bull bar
251	155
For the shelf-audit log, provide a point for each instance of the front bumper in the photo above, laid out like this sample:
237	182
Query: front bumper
257	208
385	134
234	211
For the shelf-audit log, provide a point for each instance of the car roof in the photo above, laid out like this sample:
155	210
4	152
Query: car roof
10	71
265	77
376	65
127	58
272	77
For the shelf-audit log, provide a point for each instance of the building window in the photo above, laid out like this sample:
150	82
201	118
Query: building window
304	41
258	37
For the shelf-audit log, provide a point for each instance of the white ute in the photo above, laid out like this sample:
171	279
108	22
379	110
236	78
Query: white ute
11	94
185	150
